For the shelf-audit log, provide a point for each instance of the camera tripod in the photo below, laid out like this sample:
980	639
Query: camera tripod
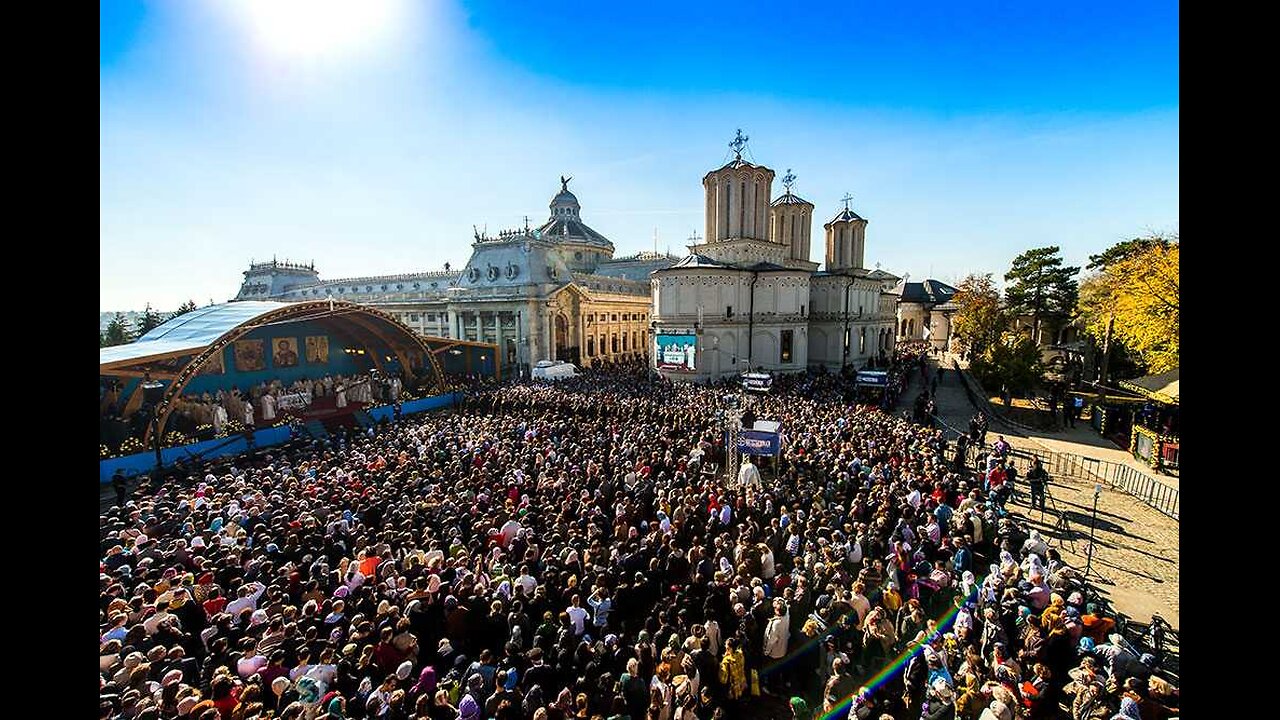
1062	526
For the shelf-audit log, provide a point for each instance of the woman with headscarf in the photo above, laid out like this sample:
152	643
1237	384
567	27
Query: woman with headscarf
968	584
1009	568
968	694
469	709
1128	710
426	684
733	675
1035	545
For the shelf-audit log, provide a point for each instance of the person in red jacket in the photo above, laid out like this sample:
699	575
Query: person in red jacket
385	654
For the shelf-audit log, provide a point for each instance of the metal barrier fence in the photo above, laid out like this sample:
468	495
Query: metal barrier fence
1153	492
1160	496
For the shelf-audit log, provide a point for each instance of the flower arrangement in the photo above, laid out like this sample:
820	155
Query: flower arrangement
131	446
104	452
174	439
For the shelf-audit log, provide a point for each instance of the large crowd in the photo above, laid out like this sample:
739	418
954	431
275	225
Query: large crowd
555	551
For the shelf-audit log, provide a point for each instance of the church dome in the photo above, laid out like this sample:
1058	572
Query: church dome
565	203
564	198
565	226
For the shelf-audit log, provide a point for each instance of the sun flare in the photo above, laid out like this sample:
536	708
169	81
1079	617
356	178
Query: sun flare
321	29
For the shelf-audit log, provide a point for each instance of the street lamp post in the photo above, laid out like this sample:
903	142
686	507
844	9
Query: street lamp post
1093	524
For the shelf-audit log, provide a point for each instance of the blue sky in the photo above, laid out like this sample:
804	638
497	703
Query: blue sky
371	136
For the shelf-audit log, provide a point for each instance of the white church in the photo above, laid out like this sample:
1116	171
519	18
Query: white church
748	298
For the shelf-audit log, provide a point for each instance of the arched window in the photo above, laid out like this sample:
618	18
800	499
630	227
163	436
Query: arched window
615	343
591	346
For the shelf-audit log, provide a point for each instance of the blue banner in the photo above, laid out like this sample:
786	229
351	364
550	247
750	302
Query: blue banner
873	378
759	442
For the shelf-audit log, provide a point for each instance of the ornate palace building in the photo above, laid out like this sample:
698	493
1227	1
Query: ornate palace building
749	297
555	292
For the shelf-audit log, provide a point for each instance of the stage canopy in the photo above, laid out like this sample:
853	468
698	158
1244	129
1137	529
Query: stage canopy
244	343
1161	388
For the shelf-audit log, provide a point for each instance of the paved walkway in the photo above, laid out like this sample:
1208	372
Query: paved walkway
1079	440
1135	560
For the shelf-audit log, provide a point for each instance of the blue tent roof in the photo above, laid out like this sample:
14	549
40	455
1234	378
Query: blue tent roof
191	331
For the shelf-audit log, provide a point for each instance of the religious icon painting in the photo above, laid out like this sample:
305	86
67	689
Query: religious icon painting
249	356
214	365
284	352
318	349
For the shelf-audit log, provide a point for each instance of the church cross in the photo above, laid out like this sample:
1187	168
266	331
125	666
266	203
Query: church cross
739	141
788	180
847	197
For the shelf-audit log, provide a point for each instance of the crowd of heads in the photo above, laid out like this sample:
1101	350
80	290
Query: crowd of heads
553	551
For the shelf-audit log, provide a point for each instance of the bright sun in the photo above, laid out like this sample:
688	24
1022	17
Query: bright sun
316	29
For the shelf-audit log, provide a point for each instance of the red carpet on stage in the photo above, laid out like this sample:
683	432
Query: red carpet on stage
325	410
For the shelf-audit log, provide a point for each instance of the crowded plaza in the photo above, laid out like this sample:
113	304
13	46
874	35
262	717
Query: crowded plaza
590	548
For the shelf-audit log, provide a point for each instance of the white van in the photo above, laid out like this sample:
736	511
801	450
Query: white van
554	370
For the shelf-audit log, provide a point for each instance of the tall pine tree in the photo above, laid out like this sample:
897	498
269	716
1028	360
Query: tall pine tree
118	332
150	319
183	309
1040	286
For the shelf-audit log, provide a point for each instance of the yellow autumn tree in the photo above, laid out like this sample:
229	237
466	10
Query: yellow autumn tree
1137	285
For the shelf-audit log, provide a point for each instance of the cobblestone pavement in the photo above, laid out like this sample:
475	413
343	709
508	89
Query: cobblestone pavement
1137	549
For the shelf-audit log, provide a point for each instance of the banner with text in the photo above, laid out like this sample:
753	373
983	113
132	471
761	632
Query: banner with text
759	442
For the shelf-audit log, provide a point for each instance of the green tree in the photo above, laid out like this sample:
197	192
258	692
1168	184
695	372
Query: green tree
1040	286
150	319
118	332
980	320
1013	363
1125	249
183	309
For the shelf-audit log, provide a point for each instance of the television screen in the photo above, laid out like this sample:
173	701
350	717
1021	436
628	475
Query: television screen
677	351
